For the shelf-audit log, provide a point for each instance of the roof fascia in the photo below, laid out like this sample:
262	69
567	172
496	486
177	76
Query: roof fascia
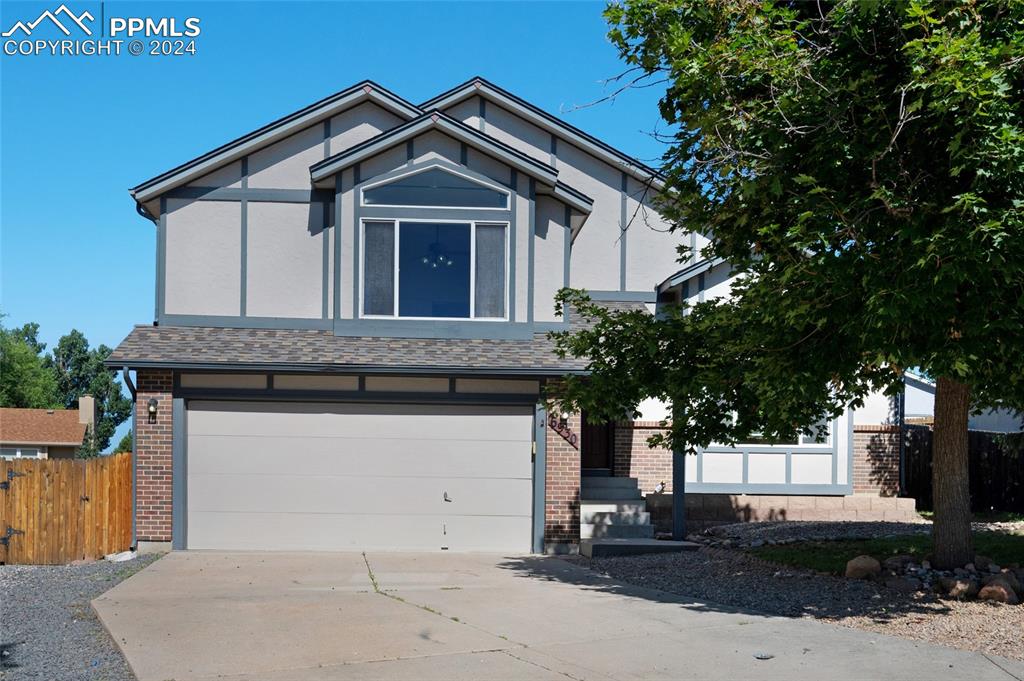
552	124
272	132
436	120
690	272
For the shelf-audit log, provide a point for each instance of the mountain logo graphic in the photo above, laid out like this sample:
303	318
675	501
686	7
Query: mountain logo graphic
78	20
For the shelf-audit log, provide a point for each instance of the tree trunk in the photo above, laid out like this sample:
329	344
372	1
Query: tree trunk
950	483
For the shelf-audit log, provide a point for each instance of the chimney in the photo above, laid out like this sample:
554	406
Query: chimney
87	410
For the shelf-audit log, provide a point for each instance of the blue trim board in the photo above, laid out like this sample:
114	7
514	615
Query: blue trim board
337	246
466	214
513	218
257	194
540	458
623	231
567	246
433	328
246	322
179	463
355	396
356	230
624	296
530	302
325	232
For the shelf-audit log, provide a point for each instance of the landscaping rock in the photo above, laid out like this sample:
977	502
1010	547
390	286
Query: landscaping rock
999	591
863	567
897	562
903	584
981	563
958	588
1008	577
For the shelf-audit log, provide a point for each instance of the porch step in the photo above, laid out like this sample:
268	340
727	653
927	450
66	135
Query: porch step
588	507
614	518
616	531
596	472
610	494
619	483
603	548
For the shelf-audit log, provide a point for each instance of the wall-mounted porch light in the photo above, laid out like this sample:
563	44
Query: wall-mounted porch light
151	409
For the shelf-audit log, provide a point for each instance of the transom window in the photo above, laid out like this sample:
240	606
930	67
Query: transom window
435	187
434	269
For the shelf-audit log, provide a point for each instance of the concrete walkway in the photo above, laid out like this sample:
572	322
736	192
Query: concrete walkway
322	617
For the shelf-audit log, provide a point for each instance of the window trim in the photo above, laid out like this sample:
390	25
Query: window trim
416	171
396	224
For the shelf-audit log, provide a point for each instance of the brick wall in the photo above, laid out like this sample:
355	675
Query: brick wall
562	493
876	460
153	457
635	459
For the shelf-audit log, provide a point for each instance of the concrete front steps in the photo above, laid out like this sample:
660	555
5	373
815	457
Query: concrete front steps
614	520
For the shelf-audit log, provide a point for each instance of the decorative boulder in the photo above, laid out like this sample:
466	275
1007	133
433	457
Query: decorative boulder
1008	577
1000	591
959	588
981	563
863	567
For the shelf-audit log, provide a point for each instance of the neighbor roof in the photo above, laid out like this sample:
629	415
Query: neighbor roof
483	88
279	129
41	427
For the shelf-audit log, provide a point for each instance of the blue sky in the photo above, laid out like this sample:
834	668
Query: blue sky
77	131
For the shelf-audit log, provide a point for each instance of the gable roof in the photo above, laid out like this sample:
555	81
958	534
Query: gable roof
481	87
41	427
437	120
283	127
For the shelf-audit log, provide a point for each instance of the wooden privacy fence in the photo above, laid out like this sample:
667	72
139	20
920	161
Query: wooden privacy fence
54	511
996	469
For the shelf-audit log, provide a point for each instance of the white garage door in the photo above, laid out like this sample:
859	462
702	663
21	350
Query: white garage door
300	476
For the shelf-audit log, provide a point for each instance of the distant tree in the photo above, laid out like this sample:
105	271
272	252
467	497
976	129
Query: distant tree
24	380
79	371
125	445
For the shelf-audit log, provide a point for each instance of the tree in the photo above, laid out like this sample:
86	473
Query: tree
125	445
24	381
861	166
79	371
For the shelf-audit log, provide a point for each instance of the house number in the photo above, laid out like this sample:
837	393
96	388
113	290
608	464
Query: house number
565	431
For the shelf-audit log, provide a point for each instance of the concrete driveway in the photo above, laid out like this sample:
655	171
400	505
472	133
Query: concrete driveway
327	616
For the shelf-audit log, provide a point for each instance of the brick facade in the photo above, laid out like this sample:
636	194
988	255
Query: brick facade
153	456
562	491
876	460
633	457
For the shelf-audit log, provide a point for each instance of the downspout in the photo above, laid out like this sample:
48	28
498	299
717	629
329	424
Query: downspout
126	377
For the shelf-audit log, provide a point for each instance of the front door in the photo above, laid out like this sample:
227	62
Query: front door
597	444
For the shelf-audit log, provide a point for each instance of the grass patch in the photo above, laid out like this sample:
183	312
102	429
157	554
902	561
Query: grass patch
832	556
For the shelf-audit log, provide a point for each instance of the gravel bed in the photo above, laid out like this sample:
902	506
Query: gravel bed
740	580
793	531
48	629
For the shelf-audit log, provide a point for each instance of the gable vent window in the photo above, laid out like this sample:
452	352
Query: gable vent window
435	188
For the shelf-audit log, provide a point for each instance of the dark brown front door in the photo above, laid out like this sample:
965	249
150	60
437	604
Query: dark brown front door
597	442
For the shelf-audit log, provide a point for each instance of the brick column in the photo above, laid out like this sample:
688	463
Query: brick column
562	493
635	459
153	457
876	460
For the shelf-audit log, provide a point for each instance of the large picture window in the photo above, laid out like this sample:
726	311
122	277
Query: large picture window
434	269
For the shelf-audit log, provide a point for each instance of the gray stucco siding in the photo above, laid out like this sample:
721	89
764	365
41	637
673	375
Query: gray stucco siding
650	247
467	111
285	164
284	275
549	258
203	258
520	134
359	124
229	176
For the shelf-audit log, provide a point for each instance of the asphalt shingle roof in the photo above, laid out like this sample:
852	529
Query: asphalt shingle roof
212	347
41	426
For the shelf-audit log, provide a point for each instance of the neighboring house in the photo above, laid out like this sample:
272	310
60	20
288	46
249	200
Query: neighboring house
350	340
45	433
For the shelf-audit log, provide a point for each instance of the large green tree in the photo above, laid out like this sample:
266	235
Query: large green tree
24	380
861	166
79	370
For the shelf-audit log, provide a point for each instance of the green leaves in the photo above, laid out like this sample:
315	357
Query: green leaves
860	165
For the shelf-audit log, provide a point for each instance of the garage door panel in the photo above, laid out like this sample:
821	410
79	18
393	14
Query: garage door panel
485	533
430	422
303	476
313	532
337	456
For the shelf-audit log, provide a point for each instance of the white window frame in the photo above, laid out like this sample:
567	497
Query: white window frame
395	226
507	193
833	424
20	452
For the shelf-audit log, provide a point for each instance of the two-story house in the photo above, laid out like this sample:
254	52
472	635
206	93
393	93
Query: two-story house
350	337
